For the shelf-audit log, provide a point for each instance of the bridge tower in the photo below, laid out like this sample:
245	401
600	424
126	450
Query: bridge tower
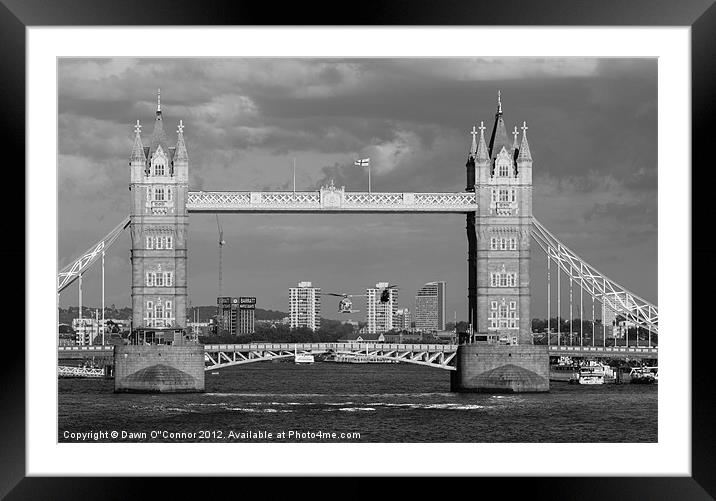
501	253
159	222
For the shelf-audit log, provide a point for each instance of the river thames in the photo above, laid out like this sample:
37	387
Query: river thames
332	402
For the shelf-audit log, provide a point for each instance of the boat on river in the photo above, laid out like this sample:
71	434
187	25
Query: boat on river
644	375
304	358
361	359
593	373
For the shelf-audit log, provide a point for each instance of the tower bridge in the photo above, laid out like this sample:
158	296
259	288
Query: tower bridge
497	203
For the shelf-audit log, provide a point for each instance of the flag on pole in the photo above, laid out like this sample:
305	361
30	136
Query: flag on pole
362	163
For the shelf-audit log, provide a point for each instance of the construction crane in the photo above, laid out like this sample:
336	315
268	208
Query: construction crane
221	245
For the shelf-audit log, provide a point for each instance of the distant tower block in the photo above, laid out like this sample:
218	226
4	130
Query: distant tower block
159	186
500	299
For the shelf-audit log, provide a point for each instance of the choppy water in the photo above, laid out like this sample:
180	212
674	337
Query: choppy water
381	402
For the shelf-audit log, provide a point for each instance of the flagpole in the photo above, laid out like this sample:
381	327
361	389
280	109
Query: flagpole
294	175
368	177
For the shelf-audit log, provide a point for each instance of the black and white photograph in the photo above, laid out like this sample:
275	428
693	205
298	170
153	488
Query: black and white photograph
357	249
420	240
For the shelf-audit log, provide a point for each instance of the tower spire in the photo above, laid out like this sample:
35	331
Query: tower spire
525	154
138	148
481	154
473	146
181	153
159	100
499	137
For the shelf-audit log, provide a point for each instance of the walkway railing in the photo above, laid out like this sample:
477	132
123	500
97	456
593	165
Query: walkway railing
329	199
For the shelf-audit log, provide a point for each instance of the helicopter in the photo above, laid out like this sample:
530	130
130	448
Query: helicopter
385	295
345	305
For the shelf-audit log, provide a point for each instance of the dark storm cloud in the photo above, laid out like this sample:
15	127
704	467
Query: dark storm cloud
592	132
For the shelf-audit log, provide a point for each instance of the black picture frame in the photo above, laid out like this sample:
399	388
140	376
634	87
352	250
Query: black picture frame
700	15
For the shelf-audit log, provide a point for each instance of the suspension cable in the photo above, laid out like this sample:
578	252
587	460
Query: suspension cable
549	301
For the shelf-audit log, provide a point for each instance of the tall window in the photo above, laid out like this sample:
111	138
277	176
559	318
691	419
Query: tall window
160	279
503	279
503	315
504	195
159	167
160	243
503	169
159	193
503	243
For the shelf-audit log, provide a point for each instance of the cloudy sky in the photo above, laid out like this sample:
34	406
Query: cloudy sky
592	131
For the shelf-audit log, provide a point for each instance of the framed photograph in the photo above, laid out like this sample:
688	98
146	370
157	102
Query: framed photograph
416	245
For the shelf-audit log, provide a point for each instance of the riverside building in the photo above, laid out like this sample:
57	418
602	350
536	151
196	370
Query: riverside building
304	304
380	315
430	307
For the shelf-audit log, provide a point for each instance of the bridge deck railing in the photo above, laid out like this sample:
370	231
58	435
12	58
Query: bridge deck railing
608	349
331	346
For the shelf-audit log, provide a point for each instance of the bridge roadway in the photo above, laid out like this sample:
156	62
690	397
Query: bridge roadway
440	356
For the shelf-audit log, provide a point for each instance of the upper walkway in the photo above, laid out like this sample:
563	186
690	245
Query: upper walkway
329	199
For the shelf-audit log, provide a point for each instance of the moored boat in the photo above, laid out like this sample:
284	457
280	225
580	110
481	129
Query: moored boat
592	373
563	372
361	359
644	375
304	358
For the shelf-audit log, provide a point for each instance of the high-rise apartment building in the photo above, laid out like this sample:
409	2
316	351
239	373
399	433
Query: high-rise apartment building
304	304
430	307
380	315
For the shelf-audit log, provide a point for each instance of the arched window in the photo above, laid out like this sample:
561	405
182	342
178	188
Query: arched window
503	168
159	166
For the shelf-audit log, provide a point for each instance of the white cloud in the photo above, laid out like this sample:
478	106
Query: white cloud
386	156
506	68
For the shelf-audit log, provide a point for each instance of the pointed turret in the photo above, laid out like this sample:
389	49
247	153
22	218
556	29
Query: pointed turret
482	155
515	145
138	148
159	137
473	146
499	136
180	150
524	155
470	165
